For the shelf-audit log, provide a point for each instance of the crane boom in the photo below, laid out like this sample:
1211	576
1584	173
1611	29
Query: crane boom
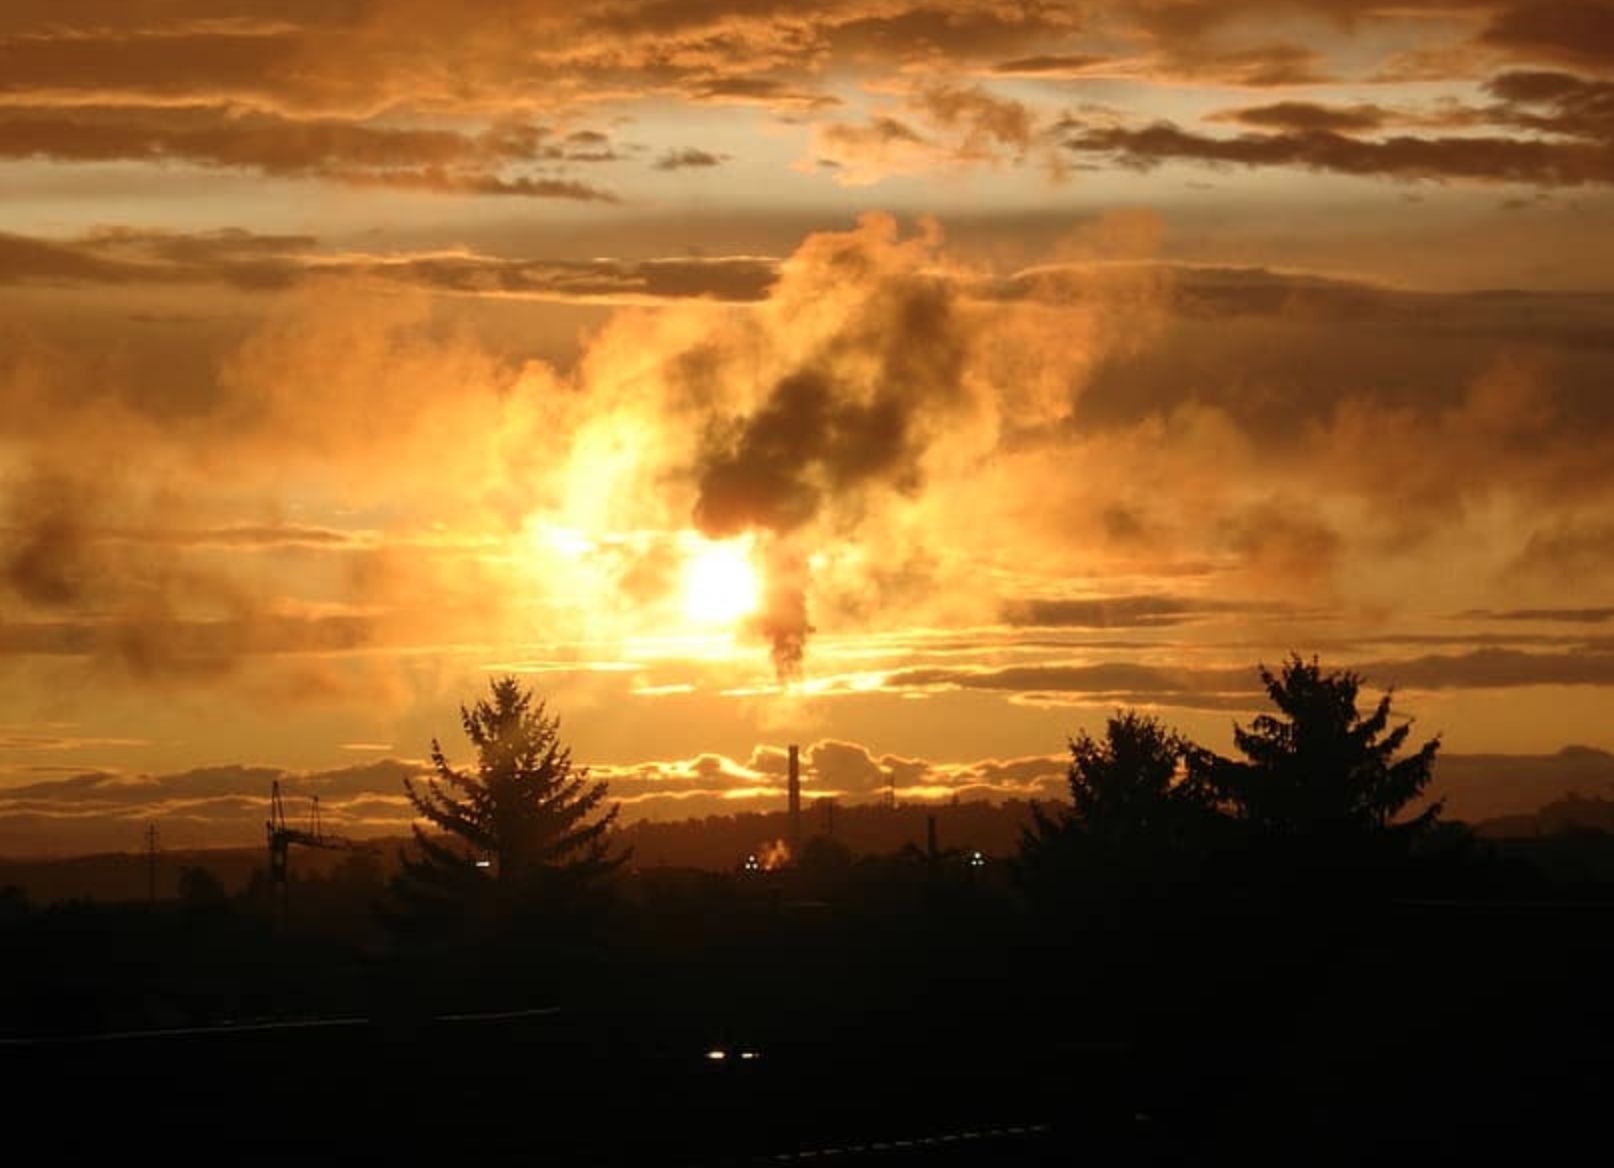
282	835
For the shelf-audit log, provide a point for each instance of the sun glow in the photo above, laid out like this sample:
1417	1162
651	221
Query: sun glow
720	582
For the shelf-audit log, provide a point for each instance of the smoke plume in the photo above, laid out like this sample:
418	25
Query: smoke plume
852	416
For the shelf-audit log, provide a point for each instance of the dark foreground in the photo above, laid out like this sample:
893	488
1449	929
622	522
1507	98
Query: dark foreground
1463	1032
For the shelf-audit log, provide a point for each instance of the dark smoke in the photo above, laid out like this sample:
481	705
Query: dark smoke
44	554
856	417
802	445
783	619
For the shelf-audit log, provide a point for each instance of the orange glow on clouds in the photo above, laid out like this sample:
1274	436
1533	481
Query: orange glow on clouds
931	375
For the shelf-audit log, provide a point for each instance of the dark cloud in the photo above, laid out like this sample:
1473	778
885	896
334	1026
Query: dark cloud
149	643
773	92
455	182
1592	616
1498	159
274	144
846	766
197	248
184	62
1190	687
1576	31
44	555
1306	116
1555	103
1499	669
1112	681
1575	113
948	31
36	259
689	158
1104	613
83	584
1050	65
738	278
256	262
127	256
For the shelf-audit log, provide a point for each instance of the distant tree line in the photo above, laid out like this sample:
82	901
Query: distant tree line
517	890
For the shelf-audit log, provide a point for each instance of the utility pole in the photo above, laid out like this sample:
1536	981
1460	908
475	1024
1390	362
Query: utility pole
151	863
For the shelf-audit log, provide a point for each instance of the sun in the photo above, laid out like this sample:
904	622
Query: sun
720	582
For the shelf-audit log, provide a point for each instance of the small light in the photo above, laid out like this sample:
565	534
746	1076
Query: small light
484	863
749	1055
717	1056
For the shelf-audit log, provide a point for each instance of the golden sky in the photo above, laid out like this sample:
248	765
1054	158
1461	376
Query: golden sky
916	380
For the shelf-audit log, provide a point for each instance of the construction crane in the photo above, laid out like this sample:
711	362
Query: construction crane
282	836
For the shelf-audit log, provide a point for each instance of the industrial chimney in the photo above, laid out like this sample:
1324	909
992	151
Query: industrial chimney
795	801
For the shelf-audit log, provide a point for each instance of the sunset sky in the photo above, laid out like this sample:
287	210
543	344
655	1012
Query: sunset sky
915	381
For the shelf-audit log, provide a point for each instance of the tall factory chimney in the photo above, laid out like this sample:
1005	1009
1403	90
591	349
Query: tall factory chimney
795	801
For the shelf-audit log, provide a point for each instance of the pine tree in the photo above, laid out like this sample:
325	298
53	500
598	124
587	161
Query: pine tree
523	831
1322	771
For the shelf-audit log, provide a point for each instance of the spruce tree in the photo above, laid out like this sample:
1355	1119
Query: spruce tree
523	831
1319	771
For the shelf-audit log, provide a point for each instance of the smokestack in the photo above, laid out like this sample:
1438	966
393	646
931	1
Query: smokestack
930	838
795	800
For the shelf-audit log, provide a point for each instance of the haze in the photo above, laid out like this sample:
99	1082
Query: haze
915	381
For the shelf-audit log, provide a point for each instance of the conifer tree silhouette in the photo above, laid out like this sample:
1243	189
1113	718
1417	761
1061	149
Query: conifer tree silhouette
526	826
1320	769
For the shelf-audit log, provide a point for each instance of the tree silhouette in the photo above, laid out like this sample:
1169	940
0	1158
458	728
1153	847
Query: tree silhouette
525	829
1139	813
1134	783
1319	770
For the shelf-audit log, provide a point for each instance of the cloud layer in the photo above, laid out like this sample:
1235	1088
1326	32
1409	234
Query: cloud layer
351	351
515	99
